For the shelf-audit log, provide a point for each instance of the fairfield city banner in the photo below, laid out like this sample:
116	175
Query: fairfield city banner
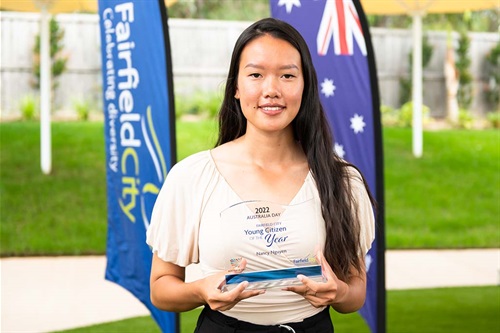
140	136
337	34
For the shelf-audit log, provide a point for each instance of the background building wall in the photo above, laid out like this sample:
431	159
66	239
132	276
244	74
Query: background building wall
201	52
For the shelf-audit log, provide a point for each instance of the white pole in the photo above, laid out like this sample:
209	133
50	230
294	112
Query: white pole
417	85
45	92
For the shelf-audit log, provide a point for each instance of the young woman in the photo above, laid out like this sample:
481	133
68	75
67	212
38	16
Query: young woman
272	194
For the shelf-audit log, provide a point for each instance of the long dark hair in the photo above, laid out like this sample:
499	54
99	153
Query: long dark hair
311	129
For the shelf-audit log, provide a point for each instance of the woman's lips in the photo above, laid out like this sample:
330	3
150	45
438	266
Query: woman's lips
272	110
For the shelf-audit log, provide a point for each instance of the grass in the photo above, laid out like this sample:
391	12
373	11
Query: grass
64	213
449	198
457	310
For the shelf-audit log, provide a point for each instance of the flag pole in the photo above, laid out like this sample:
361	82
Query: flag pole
417	85
45	89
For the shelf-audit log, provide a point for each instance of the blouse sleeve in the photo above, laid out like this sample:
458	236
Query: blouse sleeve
363	211
173	232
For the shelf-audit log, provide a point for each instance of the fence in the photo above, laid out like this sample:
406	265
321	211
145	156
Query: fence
201	51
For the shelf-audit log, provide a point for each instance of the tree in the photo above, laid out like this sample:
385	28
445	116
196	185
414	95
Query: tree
479	21
492	87
464	75
242	10
405	83
57	58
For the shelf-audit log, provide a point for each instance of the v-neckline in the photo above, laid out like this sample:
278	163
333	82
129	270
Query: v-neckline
214	165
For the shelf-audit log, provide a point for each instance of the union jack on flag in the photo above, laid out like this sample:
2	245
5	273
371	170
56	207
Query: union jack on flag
340	21
337	34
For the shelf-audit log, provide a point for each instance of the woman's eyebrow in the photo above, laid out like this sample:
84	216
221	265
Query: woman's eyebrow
291	66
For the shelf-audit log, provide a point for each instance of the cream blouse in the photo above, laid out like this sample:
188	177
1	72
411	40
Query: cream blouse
198	218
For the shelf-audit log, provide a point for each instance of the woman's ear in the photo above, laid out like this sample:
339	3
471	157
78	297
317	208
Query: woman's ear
237	94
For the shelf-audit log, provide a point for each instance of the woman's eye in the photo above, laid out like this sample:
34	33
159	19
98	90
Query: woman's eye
255	75
288	76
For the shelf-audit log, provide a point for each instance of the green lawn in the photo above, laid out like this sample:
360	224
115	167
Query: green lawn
447	310
450	198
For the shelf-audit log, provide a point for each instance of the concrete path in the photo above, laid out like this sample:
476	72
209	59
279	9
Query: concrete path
57	293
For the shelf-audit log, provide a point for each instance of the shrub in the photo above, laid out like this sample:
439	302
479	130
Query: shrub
82	108
29	107
494	119
203	104
389	115
465	119
405	114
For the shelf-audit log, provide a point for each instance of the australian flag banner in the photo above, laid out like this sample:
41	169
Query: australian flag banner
338	37
140	136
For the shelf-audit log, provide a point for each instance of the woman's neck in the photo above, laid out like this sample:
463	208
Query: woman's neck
265	150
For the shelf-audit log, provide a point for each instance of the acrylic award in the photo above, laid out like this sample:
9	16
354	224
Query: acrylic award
276	278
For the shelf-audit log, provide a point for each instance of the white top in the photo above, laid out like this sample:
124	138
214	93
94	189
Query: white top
198	218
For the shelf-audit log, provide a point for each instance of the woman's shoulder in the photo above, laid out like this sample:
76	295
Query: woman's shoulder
354	175
195	159
192	165
353	172
348	170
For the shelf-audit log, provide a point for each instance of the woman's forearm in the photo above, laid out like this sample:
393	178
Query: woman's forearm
353	298
169	293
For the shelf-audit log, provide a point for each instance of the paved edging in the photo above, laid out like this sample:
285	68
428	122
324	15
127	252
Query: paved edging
56	293
442	268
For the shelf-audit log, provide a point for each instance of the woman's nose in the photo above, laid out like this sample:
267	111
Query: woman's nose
271	88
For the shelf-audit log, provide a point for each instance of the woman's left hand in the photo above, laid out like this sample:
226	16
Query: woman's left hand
321	294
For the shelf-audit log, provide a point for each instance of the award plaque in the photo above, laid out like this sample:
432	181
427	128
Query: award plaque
276	278
276	240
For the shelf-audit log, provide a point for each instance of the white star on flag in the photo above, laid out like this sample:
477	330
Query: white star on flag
289	4
339	149
327	87
357	123
368	262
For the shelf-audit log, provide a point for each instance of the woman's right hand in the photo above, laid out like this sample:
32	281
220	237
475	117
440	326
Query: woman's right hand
170	292
222	301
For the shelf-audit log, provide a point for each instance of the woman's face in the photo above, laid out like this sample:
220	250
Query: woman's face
270	84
